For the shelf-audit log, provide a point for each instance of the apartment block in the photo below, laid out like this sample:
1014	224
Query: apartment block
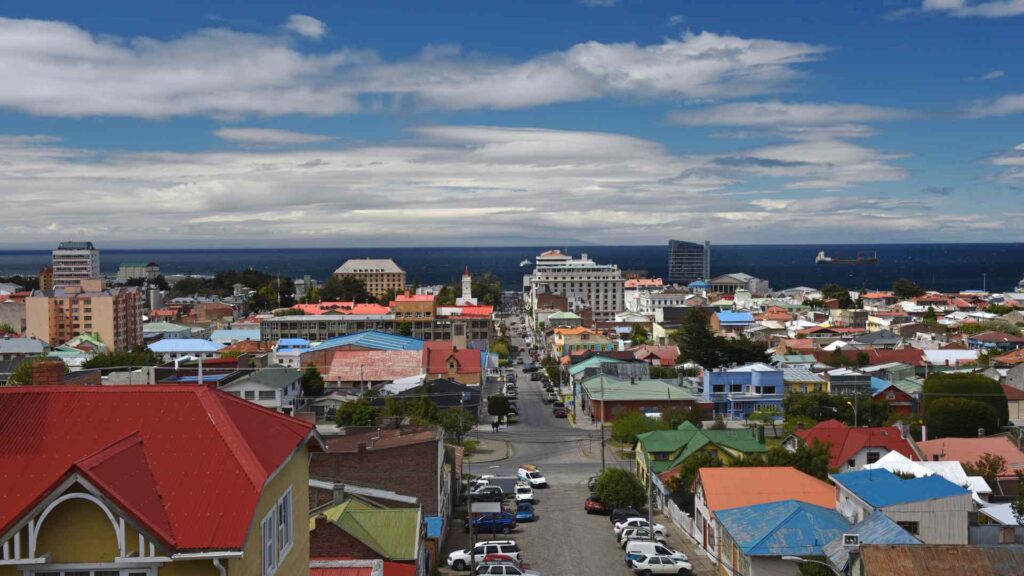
380	275
584	283
147	271
73	262
58	315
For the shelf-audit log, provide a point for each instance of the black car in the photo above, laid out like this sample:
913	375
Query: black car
487	494
620	514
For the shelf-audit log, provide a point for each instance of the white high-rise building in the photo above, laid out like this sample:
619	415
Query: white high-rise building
74	262
583	282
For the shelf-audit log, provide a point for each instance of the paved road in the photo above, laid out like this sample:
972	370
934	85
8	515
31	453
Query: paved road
564	539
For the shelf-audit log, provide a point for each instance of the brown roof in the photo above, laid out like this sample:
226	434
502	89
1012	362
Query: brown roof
1013	394
1015	357
384	439
374	365
970	449
912	356
249	347
942	560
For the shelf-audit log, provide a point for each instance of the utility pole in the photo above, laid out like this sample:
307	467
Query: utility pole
650	503
601	423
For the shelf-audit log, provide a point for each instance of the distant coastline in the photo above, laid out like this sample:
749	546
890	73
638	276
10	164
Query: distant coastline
936	266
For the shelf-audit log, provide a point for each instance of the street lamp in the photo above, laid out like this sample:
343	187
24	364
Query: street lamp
801	560
854	405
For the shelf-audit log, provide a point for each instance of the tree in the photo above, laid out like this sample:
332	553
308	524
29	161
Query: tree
629	425
663	372
6	329
837	292
445	296
457	423
743	350
405	329
22	375
638	335
356	413
617	488
673	417
969	386
988	466
959	417
312	382
138	356
696	341
990	325
345	289
486	289
930	317
1017	505
497	405
906	289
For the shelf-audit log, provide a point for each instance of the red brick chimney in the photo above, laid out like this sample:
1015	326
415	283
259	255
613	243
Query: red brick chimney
48	373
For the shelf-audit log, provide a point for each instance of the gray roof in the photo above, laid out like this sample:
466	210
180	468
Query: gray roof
75	246
274	377
875	529
21	346
799	374
369	265
882	337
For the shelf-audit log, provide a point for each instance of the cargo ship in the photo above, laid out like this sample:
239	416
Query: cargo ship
862	258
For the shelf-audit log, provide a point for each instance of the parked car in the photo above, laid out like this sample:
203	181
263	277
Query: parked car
550	397
638	548
513	408
638	522
487	493
524	512
558	409
504	568
593	505
531	474
503	522
648	565
535	377
620	514
524	493
637	535
460	559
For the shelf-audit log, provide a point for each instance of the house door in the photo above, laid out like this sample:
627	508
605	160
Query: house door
704	533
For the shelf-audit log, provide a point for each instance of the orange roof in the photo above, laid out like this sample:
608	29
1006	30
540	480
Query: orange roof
970	449
414	298
249	347
730	487
374	365
340	308
642	282
877	295
480	311
1014	357
574	331
800	344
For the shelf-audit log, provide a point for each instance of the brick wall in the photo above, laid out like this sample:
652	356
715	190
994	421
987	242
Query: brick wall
408	470
48	373
328	540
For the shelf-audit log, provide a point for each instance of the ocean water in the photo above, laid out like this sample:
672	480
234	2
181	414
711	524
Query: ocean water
946	267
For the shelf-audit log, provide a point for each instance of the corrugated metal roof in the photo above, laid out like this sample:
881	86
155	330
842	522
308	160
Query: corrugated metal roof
184	346
881	488
21	346
391	532
275	377
208	453
733	487
374	340
788	528
605	387
942	560
233	335
877	528
374	365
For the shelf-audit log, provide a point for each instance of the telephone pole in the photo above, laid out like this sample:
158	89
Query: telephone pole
601	423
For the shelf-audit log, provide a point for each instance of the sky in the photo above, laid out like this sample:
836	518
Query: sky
472	123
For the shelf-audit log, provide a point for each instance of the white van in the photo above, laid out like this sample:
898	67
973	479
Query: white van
638	548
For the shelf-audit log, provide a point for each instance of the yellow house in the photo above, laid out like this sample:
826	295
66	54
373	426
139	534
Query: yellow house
148	481
565	341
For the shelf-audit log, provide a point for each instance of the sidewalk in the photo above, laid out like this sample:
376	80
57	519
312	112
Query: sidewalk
678	539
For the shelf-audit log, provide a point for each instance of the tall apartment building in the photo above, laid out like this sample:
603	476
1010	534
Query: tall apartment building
46	278
73	262
147	271
688	261
583	282
58	315
380	275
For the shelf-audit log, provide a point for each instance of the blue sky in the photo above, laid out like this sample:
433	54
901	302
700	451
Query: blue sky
476	123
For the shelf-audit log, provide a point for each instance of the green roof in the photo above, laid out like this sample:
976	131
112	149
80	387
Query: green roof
605	387
391	532
590	363
275	377
687	439
564	316
910	385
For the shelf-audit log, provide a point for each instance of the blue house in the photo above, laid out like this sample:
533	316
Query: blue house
738	392
731	322
756	538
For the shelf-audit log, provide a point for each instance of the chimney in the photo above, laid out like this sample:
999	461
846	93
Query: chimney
337	493
924	433
48	373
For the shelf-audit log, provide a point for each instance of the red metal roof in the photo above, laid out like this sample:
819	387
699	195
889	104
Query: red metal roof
341	308
188	463
845	442
467	360
912	356
374	365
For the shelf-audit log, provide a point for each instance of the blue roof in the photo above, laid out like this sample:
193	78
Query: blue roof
698	284
735	317
184	345
434	524
375	340
293	343
877	528
787	528
878	384
881	488
232	335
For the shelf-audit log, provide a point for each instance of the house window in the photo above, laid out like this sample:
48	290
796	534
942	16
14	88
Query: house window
250	394
268	395
284	524
873	457
98	570
268	531
851	463
911	527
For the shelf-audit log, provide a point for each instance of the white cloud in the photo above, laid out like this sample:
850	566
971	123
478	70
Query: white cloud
444	185
775	113
1002	106
970	8
269	136
675	20
599	3
306	26
57	69
993	75
1012	163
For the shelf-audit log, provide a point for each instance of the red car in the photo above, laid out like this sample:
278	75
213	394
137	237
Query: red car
594	505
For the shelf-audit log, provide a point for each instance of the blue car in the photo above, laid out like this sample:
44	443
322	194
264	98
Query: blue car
503	522
524	512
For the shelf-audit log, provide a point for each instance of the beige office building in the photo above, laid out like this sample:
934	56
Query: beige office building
380	275
115	314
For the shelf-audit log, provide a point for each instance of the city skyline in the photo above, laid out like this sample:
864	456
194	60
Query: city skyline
607	123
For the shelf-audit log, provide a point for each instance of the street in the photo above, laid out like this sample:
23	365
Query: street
563	539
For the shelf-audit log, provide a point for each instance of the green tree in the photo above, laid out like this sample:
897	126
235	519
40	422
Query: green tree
356	413
696	342
627	426
1017	505
969	386
837	292
345	289
681	485
988	466
743	350
138	356
445	296
906	289
663	372
486	289
617	488
959	417
990	325
497	405
312	382
22	374
638	335
405	329
6	329
457	423
930	317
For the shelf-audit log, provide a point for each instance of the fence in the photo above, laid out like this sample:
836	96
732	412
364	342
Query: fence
681	519
993	535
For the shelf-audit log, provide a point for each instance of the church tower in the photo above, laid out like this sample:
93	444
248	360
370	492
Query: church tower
467	290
